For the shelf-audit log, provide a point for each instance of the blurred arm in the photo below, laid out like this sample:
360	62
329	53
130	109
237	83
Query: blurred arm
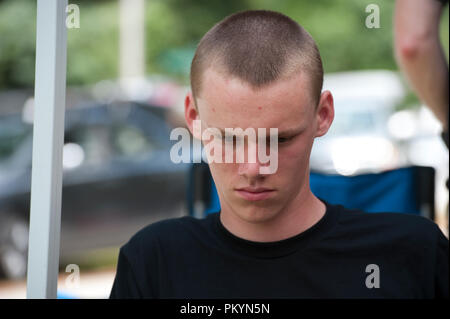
419	52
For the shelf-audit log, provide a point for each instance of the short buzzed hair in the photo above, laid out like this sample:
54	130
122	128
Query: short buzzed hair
258	47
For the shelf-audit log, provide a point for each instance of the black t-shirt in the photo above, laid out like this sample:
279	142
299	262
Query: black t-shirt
346	254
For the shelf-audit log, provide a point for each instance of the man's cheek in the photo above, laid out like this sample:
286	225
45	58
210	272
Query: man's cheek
294	153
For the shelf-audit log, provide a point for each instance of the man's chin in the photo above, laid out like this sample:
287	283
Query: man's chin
255	214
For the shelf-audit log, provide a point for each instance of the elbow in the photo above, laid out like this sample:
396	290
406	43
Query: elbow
409	48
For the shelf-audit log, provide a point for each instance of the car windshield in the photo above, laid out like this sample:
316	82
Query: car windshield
357	117
353	123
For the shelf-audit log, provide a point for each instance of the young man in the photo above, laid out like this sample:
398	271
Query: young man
273	238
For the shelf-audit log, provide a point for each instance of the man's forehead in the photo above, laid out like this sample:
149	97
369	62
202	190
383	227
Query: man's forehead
281	131
227	102
218	84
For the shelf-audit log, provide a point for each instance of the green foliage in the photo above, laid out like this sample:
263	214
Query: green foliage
174	27
93	49
17	43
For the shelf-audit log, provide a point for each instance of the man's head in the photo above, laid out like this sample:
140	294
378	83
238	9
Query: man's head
260	69
258	47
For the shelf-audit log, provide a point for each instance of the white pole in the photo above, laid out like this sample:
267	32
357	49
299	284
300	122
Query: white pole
132	39
132	48
48	138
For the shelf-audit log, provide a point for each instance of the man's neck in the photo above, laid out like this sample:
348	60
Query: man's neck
302	213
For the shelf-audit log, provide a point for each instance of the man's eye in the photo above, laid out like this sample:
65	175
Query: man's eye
282	140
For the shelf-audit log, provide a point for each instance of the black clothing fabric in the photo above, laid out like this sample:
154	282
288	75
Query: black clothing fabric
444	136
199	258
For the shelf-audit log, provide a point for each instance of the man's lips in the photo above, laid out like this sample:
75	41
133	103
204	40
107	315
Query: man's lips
254	194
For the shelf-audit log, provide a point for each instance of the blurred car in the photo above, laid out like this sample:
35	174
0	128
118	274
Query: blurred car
359	140
117	178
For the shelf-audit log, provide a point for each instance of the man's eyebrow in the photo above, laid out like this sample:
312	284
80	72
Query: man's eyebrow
291	131
286	132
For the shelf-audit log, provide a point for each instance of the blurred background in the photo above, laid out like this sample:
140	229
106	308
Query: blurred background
127	74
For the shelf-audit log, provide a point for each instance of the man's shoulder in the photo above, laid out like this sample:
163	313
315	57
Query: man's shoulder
167	232
390	224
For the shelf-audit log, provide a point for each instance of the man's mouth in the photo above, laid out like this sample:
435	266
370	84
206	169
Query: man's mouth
254	194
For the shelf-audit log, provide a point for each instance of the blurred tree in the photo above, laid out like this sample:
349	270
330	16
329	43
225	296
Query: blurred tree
17	43
93	49
92	52
174	27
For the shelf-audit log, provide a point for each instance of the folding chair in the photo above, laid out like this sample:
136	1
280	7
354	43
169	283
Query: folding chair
202	196
404	190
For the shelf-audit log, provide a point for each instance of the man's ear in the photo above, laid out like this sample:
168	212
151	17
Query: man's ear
190	112
324	113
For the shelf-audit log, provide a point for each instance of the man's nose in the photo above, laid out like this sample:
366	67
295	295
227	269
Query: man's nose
251	166
249	170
